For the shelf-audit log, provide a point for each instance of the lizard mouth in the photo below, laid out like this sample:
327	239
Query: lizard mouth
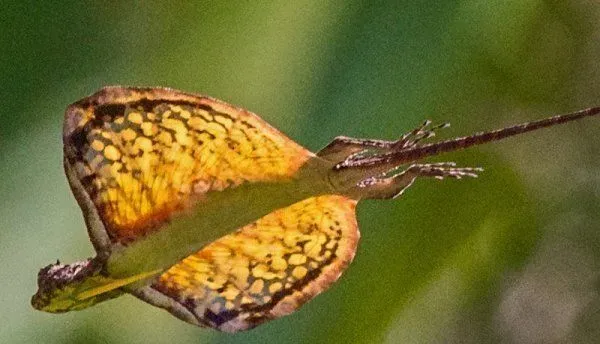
57	285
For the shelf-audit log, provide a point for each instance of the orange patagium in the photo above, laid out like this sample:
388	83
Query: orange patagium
204	209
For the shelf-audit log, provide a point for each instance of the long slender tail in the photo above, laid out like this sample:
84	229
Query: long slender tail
394	158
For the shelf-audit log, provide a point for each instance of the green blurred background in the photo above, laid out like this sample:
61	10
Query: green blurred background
511	257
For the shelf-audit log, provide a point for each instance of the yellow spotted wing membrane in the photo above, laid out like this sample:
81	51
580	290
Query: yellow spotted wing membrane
137	156
263	271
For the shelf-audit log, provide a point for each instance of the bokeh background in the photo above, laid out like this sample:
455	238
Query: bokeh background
511	257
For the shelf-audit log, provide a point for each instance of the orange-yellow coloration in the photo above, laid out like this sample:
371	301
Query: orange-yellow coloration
275	287
128	134
97	145
263	271
299	272
297	259
112	153
135	117
144	154
257	286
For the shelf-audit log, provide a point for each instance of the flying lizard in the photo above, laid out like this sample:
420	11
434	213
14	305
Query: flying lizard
205	210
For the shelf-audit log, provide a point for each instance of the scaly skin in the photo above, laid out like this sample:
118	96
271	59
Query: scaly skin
205	210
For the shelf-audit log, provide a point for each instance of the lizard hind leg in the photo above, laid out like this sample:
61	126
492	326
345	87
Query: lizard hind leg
344	147
422	132
395	185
